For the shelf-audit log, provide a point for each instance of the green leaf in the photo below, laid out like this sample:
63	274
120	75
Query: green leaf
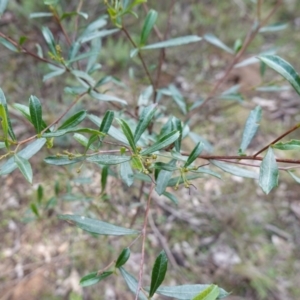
48	36
234	170
126	173
296	178
123	257
96	226
209	172
186	292
144	121
212	39
284	69
24	167
97	34
163	166
40	194
105	97
174	42
177	126
71	130
194	154
55	73
6	124
113	132
132	283
94	278
158	272
163	142
35	109
2	145
290	145
26	153
8	45
210	293
3	5
106	159
171	197
268	172
274	27
104	175
73	13
34	209
40	15
177	97
107	121
164	178
128	133
148	25
83	140
74	120
63	160
251	127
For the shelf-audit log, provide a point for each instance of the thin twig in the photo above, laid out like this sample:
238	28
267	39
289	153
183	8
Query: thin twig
249	38
140	56
163	242
144	242
56	121
246	157
139	200
162	54
277	139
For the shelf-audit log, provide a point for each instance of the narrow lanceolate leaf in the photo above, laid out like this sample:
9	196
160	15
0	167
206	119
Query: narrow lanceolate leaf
48	36
290	145
94	278
128	133
106	159
62	132
144	121
194	154
8	45
4	116
158	272
171	197
107	121
132	283
234	170
104	175
176	123
123	257
283	68
163	178
268	172
210	293
163	166
251	127
24	167
174	42
63	160
163	142
212	39
35	109
295	177
126	173
186	292
96	226
148	25
74	120
26	153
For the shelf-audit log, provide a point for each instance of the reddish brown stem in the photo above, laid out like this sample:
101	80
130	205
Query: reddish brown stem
277	139
249	38
144	242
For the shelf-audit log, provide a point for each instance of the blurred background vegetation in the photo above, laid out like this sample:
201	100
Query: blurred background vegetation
225	232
